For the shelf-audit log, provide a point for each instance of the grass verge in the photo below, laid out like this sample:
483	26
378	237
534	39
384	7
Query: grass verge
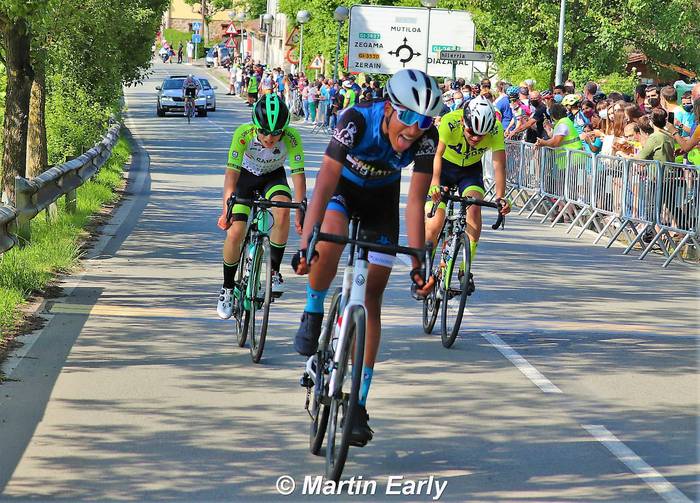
56	245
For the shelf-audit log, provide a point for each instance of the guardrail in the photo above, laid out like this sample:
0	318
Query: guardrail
35	195
652	204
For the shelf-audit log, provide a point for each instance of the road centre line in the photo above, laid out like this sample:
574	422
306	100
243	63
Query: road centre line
637	465
521	363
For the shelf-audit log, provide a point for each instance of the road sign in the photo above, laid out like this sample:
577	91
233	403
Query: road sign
196	38
457	56
316	64
230	43
387	39
231	30
196	26
293	38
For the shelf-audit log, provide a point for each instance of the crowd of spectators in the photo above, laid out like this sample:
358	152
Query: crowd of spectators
657	122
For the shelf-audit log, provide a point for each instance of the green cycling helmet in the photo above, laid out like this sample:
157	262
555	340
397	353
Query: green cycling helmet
270	114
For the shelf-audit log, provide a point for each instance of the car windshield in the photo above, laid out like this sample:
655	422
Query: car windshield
205	84
173	84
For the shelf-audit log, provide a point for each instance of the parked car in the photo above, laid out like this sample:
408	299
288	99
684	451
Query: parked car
224	56
170	99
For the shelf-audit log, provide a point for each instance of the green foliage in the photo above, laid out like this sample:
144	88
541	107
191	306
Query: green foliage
55	245
516	71
619	82
74	121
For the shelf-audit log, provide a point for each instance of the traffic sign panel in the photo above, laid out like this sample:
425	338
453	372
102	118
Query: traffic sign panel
231	30
196	26
196	38
466	56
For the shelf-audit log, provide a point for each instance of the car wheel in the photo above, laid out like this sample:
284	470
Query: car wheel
202	113
212	109
160	112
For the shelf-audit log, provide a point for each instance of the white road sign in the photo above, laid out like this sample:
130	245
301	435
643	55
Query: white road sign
458	56
387	39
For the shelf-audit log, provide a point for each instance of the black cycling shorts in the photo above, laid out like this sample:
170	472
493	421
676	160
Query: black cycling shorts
465	178
378	209
269	185
191	92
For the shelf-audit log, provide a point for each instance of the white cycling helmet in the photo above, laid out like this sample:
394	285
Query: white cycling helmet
480	116
416	91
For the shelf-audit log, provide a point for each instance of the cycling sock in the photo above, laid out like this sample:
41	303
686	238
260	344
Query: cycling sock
314	300
364	385
276	255
472	251
229	274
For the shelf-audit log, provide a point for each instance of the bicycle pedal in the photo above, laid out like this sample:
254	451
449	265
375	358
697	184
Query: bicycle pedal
305	381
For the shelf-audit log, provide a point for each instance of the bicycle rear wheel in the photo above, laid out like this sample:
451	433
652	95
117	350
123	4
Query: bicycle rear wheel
344	403
320	410
261	292
454	289
431	303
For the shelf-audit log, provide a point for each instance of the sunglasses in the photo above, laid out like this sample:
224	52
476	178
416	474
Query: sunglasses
276	132
409	118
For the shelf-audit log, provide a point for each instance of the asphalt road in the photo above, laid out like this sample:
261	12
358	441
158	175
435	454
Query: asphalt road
574	377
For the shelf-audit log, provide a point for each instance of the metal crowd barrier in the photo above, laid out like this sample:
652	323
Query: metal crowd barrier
35	195
653	205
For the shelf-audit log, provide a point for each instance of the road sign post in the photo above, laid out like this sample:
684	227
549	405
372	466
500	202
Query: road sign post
196	36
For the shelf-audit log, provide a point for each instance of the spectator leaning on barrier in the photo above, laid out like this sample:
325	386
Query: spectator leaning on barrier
564	133
669	100
685	119
640	94
659	145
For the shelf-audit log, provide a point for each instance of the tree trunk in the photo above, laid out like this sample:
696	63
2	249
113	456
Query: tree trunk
37	150
19	83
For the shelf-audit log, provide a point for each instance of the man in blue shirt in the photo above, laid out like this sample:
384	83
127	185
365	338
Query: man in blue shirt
502	104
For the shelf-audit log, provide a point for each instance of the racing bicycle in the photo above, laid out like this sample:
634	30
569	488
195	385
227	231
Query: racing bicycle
450	265
189	108
253	281
332	387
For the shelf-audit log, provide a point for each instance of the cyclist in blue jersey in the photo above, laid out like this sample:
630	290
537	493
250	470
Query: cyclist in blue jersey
361	174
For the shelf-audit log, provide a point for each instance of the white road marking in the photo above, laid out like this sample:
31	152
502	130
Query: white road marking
521	363
654	479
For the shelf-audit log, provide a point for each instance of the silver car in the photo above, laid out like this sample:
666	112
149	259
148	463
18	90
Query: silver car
208	92
170	98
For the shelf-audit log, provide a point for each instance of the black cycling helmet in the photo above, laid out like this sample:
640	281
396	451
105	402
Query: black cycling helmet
270	114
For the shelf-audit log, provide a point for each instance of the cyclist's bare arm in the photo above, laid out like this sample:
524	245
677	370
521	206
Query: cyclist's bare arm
499	171
326	182
230	181
437	167
299	181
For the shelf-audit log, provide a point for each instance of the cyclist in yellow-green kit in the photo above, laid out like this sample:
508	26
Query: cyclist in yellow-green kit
465	136
256	163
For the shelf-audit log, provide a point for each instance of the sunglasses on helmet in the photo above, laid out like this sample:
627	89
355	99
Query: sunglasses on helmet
409	118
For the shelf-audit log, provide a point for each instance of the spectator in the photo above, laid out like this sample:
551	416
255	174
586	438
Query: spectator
502	104
180	50
558	93
304	91
615	97
632	112
573	103
350	95
530	84
659	145
685	119
669	100
535	124
457	100
652	92
569	87
231	81
640	94
313	97
590	90
564	133
485	86
501	86
377	92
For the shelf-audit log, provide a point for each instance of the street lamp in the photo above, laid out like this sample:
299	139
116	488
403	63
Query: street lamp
241	17
267	21
560	45
428	4
340	14
303	17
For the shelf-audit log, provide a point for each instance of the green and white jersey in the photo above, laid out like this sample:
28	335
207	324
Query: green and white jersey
246	151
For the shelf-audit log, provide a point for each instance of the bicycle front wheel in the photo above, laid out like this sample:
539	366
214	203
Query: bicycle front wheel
319	410
344	403
241	315
431	303
260	289
454	289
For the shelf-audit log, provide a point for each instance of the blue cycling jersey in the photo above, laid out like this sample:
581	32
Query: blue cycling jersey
366	153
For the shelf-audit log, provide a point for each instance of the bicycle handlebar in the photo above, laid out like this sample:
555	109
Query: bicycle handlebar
263	203
469	201
317	236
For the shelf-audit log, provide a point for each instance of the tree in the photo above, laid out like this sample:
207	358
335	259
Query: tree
16	17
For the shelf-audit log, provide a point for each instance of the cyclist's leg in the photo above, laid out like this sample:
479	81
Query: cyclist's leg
277	189
321	274
472	184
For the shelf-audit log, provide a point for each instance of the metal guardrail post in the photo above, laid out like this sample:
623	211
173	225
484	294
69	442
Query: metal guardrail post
23	202
71	201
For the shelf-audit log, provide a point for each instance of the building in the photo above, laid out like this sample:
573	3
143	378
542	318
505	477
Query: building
180	16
